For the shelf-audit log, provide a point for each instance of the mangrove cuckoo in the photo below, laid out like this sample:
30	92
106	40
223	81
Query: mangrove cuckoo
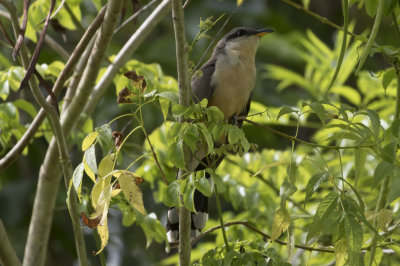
226	80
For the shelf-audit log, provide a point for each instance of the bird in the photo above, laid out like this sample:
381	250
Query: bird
226	81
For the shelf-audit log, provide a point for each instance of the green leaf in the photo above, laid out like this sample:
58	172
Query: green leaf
26	106
89	139
175	130
319	109
394	189
234	134
388	77
324	211
354	236
171	195
180	110
314	183
164	104
207	136
383	170
90	158
389	152
202	184
389	6
371	7
217	131
215	114
187	191
106	165
77	178
191	136
285	110
360	157
375	122
395	127
175	153
280	224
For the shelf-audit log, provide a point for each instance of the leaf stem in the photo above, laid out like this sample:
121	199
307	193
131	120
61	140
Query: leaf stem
221	220
344	41
303	141
372	36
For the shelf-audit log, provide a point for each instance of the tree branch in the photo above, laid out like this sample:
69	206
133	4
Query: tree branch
58	85
184	97
7	252
125	54
49	176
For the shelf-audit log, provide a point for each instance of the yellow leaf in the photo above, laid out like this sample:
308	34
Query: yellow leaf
102	230
281	223
106	165
115	192
89	171
384	218
89	139
101	192
239	2
132	192
341	251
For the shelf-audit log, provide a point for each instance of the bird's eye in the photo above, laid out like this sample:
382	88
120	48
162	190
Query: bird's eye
240	33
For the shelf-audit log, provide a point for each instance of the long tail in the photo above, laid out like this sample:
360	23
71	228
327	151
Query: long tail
199	219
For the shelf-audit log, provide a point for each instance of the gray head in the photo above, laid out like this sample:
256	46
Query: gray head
241	40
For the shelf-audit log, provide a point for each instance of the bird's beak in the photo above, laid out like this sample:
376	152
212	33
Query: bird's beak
262	32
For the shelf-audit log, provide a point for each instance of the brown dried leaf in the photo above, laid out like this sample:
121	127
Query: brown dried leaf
90	222
118	138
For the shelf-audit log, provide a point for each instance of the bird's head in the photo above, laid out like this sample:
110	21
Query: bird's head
241	41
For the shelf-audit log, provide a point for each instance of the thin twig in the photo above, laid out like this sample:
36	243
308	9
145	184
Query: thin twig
248	225
134	16
315	15
303	141
213	41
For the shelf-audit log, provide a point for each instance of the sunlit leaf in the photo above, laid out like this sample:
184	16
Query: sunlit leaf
77	178
102	230
280	224
314	183
106	165
131	191
285	110
89	139
324	211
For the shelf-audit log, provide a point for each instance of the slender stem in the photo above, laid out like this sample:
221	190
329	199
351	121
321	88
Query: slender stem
344	41
371	39
303	141
134	16
221	220
315	15
396	26
251	227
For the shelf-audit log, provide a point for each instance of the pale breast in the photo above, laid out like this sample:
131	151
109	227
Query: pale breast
233	85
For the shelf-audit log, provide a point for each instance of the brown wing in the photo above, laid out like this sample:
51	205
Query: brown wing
201	86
